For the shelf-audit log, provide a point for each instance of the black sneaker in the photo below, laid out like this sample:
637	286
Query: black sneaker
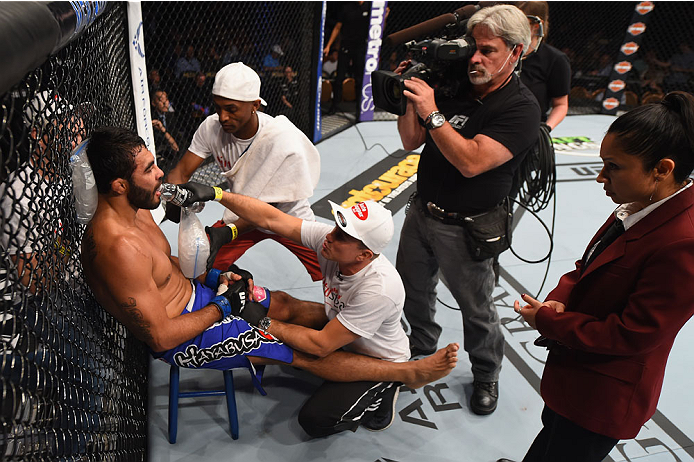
383	417
484	397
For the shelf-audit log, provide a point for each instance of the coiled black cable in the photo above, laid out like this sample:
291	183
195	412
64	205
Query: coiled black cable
537	174
537	177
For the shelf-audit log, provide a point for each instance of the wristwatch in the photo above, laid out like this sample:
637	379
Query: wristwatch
264	323
434	120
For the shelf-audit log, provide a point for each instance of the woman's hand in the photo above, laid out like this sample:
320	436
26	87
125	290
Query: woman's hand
530	310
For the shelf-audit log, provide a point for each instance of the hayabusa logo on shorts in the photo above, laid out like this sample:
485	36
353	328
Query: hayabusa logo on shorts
246	342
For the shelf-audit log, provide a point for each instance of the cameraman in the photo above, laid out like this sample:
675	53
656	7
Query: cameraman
472	149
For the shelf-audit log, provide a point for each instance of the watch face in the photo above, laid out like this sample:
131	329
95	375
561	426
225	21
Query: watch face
438	120
264	323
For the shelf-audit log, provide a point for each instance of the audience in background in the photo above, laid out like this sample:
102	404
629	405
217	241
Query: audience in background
154	80
271	62
290	93
166	130
211	61
230	53
188	63
681	75
200	100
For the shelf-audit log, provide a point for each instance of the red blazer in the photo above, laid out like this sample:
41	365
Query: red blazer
621	319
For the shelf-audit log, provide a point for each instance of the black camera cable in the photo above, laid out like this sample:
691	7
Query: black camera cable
367	148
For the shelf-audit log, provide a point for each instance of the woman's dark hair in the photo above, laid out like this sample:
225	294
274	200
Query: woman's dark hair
539	9
111	152
658	131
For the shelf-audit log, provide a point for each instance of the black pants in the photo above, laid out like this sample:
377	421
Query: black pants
562	440
349	59
339	406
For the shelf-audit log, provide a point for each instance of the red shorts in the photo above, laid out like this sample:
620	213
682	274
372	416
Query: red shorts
232	251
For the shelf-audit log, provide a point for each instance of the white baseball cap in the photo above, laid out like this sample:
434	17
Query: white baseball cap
238	82
368	221
277	49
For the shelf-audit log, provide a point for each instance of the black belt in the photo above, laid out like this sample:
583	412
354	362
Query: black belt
440	214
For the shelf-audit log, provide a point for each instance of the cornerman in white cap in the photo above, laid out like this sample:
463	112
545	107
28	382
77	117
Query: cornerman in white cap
363	302
260	156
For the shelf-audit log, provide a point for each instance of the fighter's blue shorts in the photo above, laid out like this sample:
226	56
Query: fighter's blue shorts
225	344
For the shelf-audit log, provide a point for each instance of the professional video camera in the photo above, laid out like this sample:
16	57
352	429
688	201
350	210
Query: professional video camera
441	60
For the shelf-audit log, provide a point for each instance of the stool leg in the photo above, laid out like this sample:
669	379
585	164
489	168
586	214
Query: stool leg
231	404
173	403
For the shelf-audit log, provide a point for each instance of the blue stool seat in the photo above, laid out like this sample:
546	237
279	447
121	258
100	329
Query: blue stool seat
175	394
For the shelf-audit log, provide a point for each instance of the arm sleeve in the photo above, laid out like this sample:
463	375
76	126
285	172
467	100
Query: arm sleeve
515	125
565	286
313	234
653	313
200	145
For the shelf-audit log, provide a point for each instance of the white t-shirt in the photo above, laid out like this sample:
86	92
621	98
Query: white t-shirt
211	140
368	303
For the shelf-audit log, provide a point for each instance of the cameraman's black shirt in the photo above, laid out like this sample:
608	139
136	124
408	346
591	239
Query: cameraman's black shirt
510	116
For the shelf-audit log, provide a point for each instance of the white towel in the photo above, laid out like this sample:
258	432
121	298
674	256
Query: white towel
281	165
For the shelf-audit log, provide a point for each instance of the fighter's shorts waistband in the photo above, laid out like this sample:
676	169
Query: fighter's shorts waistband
191	302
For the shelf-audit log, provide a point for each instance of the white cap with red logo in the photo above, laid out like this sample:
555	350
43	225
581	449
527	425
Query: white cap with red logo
368	221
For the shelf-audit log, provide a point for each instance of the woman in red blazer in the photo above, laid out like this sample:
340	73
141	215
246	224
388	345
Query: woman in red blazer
610	323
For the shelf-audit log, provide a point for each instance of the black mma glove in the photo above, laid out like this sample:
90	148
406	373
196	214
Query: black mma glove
253	312
200	193
173	212
231	299
218	237
213	275
245	274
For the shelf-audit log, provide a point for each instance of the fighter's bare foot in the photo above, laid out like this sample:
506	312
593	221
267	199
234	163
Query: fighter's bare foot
434	367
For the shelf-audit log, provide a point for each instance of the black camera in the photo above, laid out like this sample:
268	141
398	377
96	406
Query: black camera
441	62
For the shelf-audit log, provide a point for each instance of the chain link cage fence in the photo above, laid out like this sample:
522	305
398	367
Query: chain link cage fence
73	381
188	42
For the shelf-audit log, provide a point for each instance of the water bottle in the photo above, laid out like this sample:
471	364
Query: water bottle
83	184
172	193
193	245
177	195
